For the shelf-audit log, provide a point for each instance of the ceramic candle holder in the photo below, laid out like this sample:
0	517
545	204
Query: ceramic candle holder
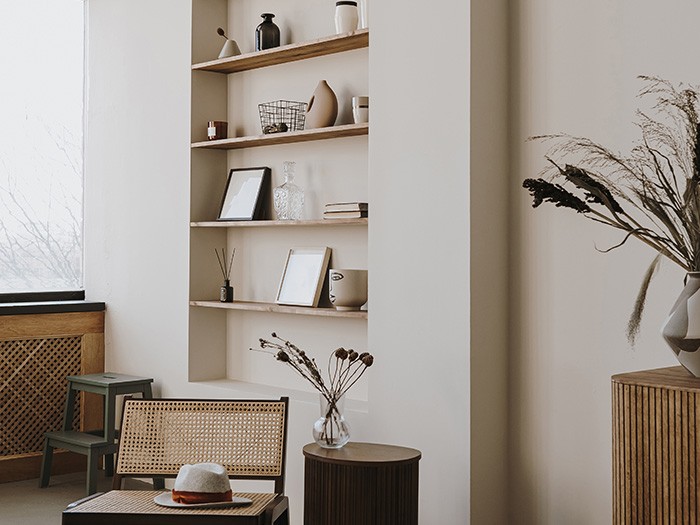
217	130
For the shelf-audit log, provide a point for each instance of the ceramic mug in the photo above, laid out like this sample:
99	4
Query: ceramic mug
360	109
347	289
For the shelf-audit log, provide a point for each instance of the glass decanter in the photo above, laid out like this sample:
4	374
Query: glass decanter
289	198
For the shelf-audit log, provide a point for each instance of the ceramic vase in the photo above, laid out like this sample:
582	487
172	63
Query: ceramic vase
267	34
347	289
347	16
682	328
322	109
230	49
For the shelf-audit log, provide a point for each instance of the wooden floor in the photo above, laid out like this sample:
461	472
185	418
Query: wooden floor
24	503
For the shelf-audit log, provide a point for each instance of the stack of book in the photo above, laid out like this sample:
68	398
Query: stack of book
346	210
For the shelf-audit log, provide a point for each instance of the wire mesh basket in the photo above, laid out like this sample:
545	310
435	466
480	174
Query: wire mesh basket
282	115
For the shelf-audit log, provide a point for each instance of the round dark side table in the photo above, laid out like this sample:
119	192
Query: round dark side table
361	484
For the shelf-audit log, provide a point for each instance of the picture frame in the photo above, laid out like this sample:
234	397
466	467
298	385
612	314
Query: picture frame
244	196
302	279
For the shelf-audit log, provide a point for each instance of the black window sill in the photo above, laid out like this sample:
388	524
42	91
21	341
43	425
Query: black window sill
50	307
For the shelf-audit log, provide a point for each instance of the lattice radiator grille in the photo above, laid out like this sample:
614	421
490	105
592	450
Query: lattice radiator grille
33	390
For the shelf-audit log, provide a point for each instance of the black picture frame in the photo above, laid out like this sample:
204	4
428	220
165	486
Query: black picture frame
244	196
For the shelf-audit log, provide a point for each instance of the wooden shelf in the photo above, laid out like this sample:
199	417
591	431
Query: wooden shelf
275	224
281	309
290	53
289	137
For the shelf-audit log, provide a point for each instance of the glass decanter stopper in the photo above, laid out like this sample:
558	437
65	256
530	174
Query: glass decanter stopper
289	198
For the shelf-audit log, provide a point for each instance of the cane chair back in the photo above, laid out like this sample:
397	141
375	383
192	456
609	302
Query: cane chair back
248	438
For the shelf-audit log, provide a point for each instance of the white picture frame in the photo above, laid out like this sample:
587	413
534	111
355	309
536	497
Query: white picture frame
303	276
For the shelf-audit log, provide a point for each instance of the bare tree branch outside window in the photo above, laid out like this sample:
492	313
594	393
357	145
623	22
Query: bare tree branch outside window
41	158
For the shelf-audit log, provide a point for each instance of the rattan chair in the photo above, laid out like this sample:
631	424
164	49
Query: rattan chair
248	438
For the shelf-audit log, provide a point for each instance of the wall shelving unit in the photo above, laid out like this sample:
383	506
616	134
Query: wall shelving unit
207	326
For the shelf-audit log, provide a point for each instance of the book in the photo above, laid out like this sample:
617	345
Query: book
357	214
347	206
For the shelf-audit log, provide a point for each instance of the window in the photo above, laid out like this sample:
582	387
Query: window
41	146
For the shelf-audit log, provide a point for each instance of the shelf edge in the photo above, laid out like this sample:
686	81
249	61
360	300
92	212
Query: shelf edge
323	46
251	306
280	224
290	137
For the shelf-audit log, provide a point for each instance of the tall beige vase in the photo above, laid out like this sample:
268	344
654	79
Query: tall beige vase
323	107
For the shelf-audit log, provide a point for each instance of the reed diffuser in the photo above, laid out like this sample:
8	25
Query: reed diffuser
226	293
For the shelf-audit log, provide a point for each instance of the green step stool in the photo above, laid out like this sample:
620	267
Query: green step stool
109	385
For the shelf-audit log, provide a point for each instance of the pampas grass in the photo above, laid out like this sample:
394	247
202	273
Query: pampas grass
651	194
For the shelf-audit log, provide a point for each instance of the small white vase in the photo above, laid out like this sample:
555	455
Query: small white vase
682	328
347	16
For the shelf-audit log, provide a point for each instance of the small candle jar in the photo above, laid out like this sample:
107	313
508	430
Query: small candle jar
360	109
346	16
217	130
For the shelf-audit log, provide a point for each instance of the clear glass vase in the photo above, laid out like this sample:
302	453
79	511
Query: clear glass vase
289	198
331	430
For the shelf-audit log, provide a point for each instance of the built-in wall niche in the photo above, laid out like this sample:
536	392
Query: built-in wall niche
331	166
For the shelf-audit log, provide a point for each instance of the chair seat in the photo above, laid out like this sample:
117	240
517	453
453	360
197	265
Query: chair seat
78	439
128	506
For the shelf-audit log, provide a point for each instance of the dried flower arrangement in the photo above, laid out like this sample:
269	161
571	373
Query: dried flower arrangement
343	372
652	193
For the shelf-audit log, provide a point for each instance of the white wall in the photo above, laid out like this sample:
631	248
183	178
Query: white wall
489	187
574	69
419	244
137	214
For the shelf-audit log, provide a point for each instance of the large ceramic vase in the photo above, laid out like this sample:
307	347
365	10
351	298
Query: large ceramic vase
322	109
682	328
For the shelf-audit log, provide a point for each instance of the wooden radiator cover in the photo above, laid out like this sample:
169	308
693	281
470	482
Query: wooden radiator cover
37	352
656	446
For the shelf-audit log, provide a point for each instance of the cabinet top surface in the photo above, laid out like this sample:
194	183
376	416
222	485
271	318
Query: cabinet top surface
673	377
359	454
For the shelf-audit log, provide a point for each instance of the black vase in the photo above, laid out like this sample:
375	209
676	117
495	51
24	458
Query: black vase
267	34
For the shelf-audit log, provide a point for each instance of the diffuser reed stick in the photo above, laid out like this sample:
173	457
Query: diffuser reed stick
226	271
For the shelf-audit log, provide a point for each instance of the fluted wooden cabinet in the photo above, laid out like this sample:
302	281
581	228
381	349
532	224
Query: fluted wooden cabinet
655	430
361	484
